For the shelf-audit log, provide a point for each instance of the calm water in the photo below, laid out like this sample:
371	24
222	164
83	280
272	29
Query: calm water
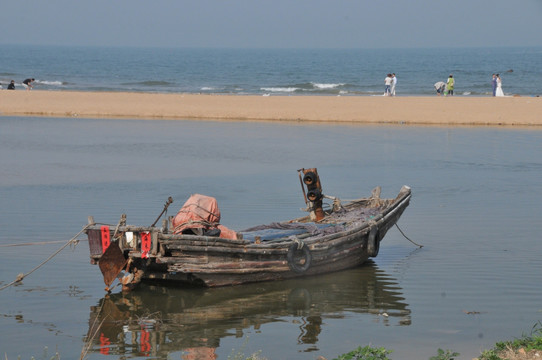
282	72
477	200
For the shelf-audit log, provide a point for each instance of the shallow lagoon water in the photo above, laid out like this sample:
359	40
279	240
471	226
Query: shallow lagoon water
476	207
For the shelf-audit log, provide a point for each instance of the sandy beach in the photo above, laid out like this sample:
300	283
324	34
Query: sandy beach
458	110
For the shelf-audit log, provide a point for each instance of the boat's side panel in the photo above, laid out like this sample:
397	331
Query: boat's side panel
334	254
214	261
217	267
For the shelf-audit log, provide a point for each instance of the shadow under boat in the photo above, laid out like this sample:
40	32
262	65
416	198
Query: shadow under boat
155	320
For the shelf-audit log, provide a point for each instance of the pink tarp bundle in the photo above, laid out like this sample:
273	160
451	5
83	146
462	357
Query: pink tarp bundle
200	212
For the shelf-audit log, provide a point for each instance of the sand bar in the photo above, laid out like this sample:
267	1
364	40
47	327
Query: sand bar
458	110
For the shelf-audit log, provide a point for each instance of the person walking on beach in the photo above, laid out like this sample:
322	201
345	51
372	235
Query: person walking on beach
494	84
498	91
440	87
11	85
387	85
27	83
450	85
393	84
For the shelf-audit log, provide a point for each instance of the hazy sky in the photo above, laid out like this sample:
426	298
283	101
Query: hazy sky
273	24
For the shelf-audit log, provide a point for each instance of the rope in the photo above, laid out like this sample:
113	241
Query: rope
21	276
88	342
122	221
205	223
34	243
299	243
406	237
48	242
199	207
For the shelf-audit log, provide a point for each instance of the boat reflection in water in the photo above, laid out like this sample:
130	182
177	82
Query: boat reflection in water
157	321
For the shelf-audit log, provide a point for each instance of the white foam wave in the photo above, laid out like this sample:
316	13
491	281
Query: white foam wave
279	89
45	82
207	88
326	86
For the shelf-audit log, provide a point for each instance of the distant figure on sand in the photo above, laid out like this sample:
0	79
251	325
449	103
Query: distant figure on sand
499	91
11	85
27	83
494	83
450	85
440	87
393	84
387	85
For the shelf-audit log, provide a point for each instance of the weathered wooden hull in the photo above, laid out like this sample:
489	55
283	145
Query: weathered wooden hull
212	261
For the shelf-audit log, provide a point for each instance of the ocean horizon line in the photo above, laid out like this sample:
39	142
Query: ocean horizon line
269	48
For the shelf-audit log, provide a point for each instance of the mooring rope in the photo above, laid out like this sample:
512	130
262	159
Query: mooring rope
35	243
406	237
93	332
50	242
21	276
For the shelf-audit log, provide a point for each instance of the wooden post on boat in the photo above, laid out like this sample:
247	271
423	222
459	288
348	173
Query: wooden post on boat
166	205
314	195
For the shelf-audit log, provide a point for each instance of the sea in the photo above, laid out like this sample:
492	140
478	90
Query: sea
338	72
476	205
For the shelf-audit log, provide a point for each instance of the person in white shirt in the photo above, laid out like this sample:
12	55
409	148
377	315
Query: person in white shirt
387	82
393	83
440	87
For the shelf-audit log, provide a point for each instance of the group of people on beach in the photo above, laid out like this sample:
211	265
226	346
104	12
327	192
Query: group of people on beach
445	88
389	85
27	83
390	82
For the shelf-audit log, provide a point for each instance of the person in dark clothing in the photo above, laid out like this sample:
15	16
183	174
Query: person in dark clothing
27	83
11	85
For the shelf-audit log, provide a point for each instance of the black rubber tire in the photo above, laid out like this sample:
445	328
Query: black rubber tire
295	253
373	242
314	195
309	178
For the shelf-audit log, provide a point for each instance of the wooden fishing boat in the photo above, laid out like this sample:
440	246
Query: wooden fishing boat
194	248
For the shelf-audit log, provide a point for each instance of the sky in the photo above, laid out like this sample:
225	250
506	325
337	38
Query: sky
273	24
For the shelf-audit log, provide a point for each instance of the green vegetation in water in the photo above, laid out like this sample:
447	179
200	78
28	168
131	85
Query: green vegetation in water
445	355
371	353
525	348
528	347
366	353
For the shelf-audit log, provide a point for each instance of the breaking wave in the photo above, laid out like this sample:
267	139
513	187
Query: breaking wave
310	87
50	83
